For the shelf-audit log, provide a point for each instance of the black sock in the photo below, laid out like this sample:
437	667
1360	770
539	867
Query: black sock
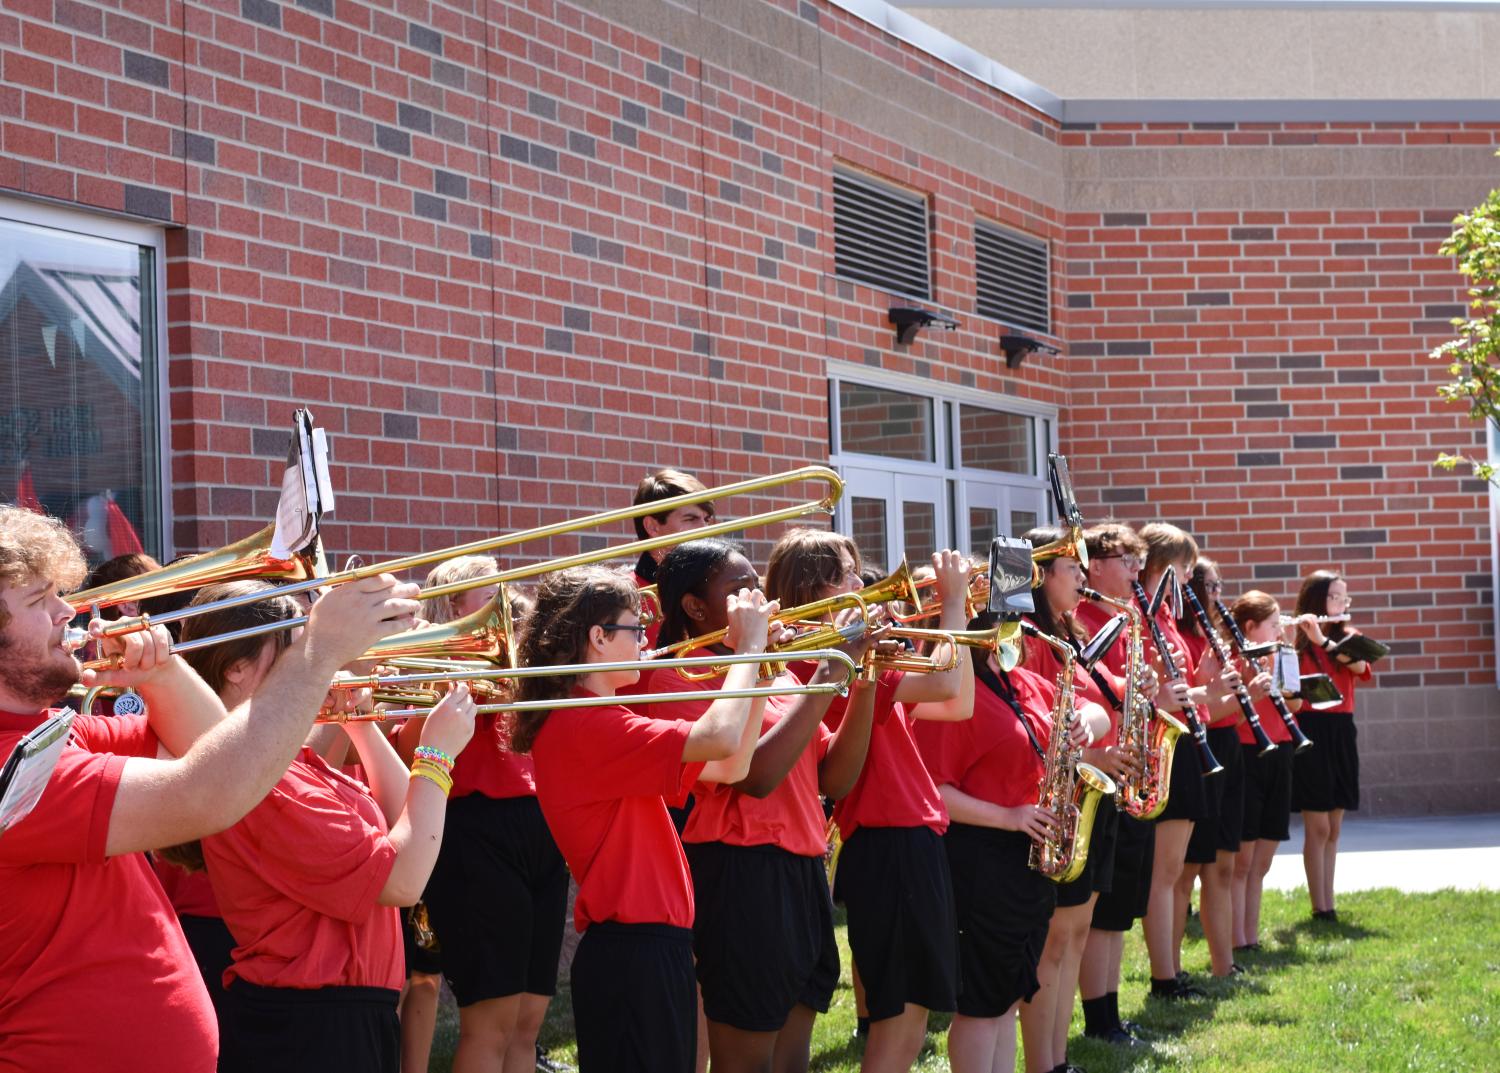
1164	987
1114	1009
1096	1018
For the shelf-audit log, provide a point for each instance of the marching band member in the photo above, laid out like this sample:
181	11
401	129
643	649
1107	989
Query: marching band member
603	776
1116	554
892	873
1325	778
1215	841
128	784
1067	934
310	879
989	771
1268	779
665	484
498	894
767	959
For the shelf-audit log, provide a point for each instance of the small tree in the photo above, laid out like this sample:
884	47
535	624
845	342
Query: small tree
1474	357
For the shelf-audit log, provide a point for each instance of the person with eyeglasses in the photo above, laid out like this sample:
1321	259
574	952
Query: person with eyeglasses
1215	842
498	895
604	776
763	936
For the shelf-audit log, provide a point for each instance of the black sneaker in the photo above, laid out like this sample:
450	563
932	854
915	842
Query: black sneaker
1186	989
1118	1036
1248	948
1135	1030
1331	916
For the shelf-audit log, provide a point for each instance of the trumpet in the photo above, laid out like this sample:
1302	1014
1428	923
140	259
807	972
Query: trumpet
1003	641
236	560
897	586
382	682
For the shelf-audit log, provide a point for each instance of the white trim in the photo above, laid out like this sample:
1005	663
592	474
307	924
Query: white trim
153	237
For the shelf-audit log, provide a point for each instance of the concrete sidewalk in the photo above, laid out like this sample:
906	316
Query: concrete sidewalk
1418	854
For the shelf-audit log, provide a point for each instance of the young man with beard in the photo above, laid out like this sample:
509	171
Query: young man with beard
94	970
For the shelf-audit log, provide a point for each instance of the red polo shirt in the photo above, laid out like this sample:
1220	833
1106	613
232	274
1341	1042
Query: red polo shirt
298	881
1313	660
1042	660
94	971
790	817
604	778
487	766
991	756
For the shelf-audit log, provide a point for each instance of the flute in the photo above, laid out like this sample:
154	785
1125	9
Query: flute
1288	621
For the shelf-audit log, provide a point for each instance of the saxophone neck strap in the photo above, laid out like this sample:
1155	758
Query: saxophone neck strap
1002	689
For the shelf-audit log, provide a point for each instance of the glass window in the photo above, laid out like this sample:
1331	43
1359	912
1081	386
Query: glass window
868	516
983	523
919	527
995	440
78	384
879	421
1022	521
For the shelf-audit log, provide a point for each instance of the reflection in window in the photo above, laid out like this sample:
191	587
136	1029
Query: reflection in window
878	421
869	531
919	526
995	440
983	523
78	421
1022	521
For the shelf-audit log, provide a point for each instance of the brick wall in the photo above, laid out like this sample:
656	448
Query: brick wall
514	255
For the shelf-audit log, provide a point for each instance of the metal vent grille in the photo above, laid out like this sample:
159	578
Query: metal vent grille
880	235
1013	279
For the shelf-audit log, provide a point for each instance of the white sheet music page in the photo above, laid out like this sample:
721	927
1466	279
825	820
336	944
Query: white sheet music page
30	765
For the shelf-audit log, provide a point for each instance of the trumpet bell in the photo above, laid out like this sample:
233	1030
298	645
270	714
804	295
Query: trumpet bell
247	558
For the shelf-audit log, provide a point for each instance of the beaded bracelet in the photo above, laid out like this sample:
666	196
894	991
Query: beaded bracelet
426	769
437	756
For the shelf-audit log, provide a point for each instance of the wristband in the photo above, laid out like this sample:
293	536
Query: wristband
426	769
1327	643
436	756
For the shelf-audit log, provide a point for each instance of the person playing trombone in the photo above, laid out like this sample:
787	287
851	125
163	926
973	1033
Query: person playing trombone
128	784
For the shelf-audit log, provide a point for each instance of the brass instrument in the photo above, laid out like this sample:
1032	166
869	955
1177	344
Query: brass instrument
1003	640
1071	789
1148	735
897	586
233	566
381	682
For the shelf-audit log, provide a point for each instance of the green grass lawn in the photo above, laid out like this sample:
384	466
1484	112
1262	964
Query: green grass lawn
1404	982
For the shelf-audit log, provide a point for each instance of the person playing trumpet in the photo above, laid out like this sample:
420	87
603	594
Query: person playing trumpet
763	936
127	784
892	873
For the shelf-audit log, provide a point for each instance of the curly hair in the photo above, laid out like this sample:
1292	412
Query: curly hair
568	604
34	547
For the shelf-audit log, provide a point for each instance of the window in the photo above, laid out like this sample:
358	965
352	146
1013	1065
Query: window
880	235
80	388
1013	278
925	470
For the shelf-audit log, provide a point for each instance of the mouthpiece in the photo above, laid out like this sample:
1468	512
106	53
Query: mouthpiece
74	638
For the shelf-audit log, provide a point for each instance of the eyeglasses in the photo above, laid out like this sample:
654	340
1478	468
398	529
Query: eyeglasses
1132	562
1214	586
639	630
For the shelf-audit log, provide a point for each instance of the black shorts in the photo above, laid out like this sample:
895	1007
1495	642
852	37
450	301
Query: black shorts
1003	907
1130	888
1224	800
1325	777
418	958
894	883
1185	795
635	1003
1268	793
213	948
763	935
496	899
1099	866
292	1030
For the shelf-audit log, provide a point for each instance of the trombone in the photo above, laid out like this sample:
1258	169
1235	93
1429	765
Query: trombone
850	669
222	566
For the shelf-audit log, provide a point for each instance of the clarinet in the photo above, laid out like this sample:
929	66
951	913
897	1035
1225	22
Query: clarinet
1263	740
1206	758
1300	740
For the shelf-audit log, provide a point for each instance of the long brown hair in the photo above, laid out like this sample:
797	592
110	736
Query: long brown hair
213	663
1165	544
1062	626
568	605
1312	599
1187	622
806	561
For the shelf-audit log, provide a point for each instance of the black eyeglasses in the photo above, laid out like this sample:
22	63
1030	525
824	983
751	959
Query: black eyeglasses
640	631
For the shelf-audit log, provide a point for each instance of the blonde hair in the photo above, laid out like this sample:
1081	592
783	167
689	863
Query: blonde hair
35	547
463	568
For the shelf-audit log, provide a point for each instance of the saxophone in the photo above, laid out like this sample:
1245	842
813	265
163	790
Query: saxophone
1147	735
1071	789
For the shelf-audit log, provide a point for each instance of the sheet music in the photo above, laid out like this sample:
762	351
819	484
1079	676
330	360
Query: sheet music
30	766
